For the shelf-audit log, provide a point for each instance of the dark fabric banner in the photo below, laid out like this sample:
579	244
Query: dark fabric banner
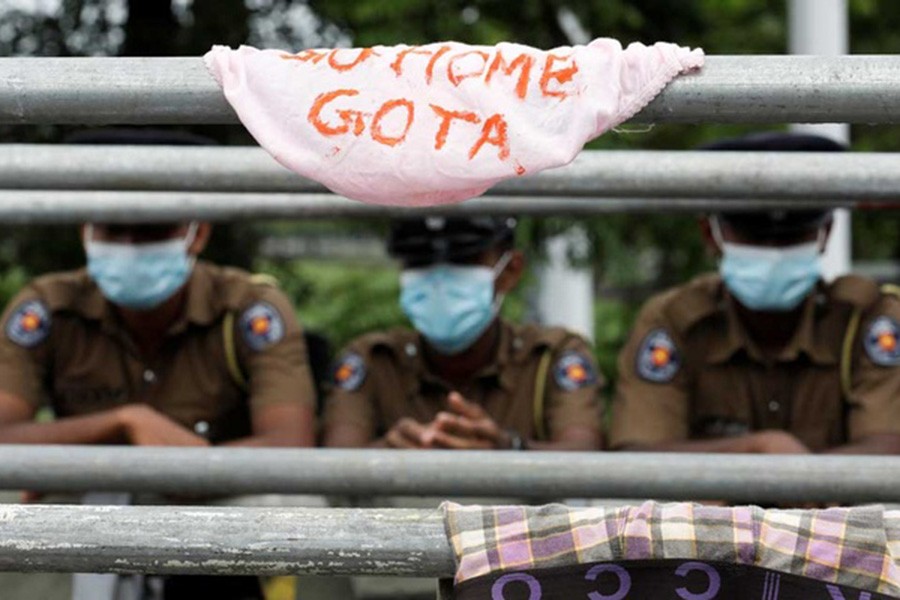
655	580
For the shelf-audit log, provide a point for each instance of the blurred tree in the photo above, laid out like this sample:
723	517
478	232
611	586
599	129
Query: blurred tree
132	28
149	29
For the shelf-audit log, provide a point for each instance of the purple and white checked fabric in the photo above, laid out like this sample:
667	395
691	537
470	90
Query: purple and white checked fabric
856	547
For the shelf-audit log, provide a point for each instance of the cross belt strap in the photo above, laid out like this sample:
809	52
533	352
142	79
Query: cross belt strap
540	391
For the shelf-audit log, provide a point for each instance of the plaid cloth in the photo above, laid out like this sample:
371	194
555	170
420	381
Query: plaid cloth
855	547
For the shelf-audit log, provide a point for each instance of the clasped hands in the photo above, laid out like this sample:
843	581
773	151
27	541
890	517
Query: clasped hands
463	426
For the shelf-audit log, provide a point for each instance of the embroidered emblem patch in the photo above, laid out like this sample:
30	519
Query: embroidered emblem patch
29	325
574	371
657	358
350	372
882	342
261	326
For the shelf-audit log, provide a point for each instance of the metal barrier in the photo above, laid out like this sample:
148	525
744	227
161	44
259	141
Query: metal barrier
56	184
868	177
748	89
534	475
729	89
209	540
55	207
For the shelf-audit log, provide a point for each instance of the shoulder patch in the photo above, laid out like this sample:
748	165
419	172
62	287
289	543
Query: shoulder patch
658	359
29	324
882	342
350	372
261	326
574	371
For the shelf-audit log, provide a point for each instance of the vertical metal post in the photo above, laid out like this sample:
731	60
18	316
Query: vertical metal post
821	27
566	291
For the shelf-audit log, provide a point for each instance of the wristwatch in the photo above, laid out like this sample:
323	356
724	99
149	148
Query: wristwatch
516	441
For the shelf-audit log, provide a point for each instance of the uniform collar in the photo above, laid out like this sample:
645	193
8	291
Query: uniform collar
509	346
90	302
803	342
201	308
695	302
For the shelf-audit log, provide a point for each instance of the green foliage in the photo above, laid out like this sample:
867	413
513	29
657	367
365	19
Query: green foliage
613	320
11	281
342	301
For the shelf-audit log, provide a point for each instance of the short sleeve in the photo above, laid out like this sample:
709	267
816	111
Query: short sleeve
652	400
873	405
273	350
574	385
351	400
25	347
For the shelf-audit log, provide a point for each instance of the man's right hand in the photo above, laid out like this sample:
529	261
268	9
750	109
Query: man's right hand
774	441
144	426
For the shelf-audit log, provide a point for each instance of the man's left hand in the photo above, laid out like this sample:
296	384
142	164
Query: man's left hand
466	426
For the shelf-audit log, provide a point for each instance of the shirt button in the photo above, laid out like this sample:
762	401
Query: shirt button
201	428
149	376
411	350
774	406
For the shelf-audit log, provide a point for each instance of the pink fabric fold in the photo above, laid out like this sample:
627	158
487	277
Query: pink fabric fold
425	125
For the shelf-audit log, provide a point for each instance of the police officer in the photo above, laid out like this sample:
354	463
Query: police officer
464	378
149	346
764	356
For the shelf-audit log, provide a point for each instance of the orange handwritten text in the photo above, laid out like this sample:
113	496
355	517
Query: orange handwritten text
309	55
377	133
455	77
522	62
447	117
354	121
493	133
348	116
562	76
397	65
364	54
429	70
334	114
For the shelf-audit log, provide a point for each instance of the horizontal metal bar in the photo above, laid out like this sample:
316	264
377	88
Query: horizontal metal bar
612	174
205	471
211	540
729	89
57	207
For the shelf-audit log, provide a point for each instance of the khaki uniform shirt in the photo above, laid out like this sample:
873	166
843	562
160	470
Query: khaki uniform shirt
381	378
690	371
64	345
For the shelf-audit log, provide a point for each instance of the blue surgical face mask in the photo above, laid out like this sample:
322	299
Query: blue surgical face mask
451	305
139	276
769	279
